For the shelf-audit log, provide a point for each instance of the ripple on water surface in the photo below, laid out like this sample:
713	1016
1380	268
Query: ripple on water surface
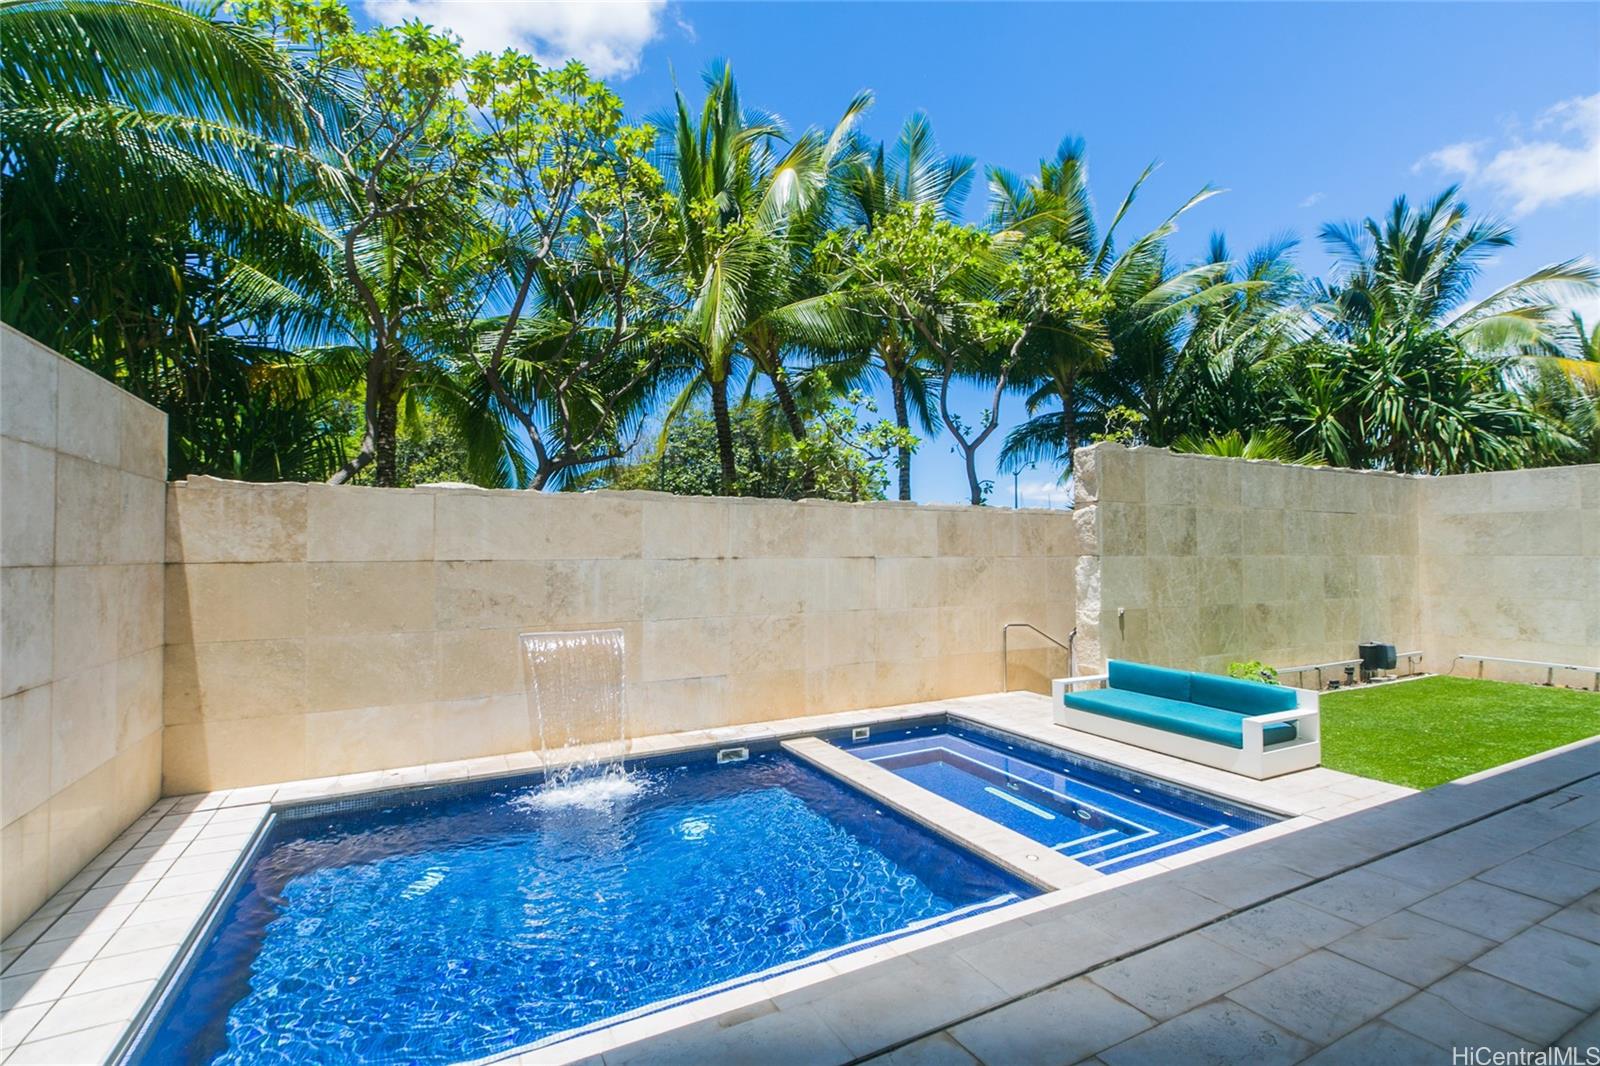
454	928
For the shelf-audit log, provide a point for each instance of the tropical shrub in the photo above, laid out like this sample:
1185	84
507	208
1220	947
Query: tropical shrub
1254	670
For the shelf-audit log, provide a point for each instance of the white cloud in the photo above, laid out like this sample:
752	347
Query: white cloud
1459	158
1561	162
607	36
1313	200
1034	492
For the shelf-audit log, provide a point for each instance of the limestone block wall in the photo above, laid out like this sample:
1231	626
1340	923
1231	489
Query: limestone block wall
1193	562
315	630
81	510
1511	567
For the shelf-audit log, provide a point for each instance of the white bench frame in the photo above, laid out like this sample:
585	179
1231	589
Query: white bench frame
1256	759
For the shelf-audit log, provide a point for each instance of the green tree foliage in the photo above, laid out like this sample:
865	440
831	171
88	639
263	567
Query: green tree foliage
972	298
842	459
745	207
1272	443
1560	379
1144	300
360	252
573	206
1403	372
144	153
408	161
875	184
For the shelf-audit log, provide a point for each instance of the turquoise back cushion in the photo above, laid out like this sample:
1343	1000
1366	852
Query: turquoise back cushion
1151	680
1245	697
1190	719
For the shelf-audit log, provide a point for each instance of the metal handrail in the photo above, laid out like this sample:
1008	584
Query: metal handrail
1548	667
1005	656
1410	657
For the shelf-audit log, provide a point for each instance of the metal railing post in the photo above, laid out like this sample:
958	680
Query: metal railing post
1005	650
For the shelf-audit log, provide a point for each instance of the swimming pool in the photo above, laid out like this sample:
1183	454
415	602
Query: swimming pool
451	923
1105	817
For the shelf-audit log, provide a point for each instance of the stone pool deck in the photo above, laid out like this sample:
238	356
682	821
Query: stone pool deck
1335	921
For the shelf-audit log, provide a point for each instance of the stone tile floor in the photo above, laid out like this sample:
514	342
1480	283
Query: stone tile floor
1474	860
83	965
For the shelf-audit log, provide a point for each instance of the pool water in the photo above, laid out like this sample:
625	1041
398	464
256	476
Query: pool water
1105	817
460	923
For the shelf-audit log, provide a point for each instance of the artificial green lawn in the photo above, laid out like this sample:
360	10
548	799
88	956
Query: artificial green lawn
1435	729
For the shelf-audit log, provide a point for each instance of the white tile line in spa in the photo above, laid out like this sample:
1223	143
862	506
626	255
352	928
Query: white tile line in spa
52	1006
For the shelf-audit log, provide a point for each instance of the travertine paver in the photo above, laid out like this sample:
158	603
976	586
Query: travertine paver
1581	919
84	965
1485	909
1322	995
1411	948
1439	1022
1060	1024
1218	1034
1377	1042
1507	1006
1546	878
1180	974
1360	896
1564	968
1279	932
935	1050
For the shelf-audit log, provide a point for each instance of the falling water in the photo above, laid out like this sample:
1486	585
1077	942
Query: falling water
576	699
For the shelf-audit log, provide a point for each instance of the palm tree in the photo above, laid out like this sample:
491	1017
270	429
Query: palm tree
1148	299
1213	369
1406	372
1273	443
744	202
913	172
1419	267
1561	381
146	151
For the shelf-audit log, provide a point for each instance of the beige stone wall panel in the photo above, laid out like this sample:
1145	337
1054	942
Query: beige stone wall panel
82	532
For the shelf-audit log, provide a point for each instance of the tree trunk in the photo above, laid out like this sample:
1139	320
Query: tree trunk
719	412
897	385
791	412
972	476
1069	419
797	425
349	470
383	440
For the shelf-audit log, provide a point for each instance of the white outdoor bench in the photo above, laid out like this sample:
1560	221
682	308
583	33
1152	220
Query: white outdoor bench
1245	727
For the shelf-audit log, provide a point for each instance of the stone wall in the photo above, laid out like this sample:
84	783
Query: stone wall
1193	561
316	630
81	506
1511	567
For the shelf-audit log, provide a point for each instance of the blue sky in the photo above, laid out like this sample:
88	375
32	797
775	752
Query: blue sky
1305	112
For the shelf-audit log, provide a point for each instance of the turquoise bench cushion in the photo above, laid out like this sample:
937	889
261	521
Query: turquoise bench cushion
1245	697
1190	719
1150	680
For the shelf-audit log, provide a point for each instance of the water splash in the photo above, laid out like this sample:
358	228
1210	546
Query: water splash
577	700
605	791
